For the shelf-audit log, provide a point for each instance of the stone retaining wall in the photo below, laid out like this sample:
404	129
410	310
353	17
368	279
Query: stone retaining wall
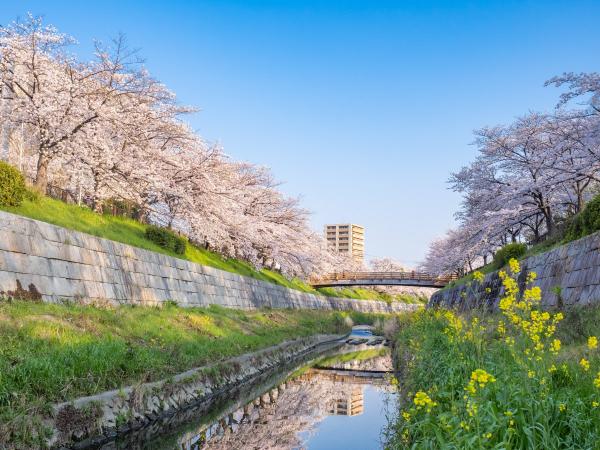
43	261
569	274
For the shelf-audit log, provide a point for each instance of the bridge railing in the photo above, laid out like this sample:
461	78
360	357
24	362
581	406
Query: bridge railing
413	276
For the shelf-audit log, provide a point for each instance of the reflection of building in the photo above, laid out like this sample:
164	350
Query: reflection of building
347	239
352	404
278	418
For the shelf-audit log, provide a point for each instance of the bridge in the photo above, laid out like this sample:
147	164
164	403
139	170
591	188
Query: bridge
415	279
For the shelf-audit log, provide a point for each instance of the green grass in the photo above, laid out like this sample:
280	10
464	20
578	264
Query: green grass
132	232
52	353
362	355
370	294
531	405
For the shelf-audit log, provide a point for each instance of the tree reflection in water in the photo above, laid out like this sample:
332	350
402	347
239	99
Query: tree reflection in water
278	418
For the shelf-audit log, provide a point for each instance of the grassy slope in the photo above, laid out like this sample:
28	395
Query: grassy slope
51	353
548	409
131	232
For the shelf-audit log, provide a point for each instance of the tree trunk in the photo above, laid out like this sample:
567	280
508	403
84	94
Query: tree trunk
580	202
96	203
41	176
98	206
549	220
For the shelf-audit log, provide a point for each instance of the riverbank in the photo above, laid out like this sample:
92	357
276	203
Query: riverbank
519	378
52	353
569	275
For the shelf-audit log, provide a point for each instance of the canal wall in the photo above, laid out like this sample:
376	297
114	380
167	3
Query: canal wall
568	275
45	262
98	419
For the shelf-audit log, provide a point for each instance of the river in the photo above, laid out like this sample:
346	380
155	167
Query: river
337	401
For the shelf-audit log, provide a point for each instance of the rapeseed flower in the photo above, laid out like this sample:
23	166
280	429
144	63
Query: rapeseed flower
514	265
423	400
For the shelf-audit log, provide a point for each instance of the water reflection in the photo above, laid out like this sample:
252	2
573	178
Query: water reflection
336	404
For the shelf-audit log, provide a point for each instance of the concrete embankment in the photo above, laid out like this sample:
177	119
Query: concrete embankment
568	275
94	420
42	261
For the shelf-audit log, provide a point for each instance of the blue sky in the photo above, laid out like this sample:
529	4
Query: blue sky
361	108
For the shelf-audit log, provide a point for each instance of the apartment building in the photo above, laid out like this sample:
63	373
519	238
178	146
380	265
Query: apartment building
350	404
347	238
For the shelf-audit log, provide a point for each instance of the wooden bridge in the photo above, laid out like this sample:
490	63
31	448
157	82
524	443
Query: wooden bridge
416	279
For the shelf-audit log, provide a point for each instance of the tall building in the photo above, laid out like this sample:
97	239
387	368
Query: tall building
350	404
347	238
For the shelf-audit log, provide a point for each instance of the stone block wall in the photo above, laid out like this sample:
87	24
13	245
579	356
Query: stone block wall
571	271
43	261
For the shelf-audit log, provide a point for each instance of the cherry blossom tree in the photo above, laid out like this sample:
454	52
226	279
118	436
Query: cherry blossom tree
386	265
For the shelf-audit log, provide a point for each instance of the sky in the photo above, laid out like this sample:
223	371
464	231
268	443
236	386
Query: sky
361	109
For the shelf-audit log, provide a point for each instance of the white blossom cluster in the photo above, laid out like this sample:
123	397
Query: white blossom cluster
106	129
527	179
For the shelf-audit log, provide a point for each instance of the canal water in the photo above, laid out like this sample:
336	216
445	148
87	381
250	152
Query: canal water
339	401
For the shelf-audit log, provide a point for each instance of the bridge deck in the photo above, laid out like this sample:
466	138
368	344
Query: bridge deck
416	279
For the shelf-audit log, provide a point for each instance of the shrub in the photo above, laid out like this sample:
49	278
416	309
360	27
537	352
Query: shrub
586	222
166	239
12	185
509	251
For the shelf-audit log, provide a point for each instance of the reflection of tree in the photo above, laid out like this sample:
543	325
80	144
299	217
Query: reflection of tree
275	419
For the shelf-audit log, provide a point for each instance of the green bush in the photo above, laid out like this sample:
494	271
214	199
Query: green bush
166	239
514	250
586	222
12	185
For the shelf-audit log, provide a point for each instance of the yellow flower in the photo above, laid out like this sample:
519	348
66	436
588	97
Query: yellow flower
472	408
405	435
585	364
488	290
597	381
482	377
552	368
478	276
555	346
406	416
422	399
592	342
514	266
501	327
562	407
595	404
531	374
487	435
